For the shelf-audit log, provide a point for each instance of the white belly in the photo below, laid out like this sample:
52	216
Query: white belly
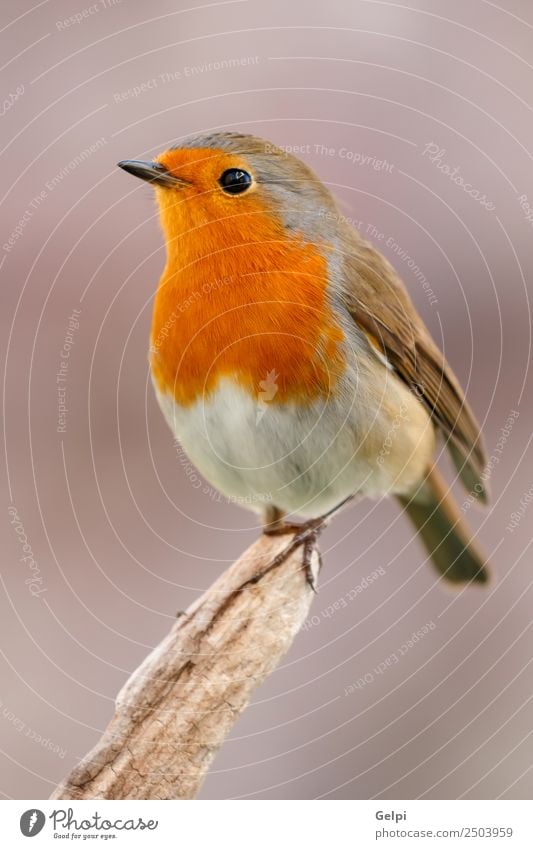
306	459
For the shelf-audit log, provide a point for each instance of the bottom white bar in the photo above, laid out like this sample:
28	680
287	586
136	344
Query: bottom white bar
269	824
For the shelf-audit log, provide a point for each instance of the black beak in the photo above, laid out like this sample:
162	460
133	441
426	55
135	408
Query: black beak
153	172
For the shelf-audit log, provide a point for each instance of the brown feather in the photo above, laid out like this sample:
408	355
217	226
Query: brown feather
378	302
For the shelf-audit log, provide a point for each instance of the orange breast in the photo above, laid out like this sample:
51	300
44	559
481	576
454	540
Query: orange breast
239	299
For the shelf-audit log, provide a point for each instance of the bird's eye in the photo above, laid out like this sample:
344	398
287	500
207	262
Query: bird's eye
234	181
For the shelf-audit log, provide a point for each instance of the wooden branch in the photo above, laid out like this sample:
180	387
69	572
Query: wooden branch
176	709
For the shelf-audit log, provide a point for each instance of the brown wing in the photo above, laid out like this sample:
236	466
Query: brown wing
380	305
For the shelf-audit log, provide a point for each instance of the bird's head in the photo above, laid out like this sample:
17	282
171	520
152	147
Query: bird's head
238	184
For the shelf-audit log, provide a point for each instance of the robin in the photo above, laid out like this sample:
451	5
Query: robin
287	356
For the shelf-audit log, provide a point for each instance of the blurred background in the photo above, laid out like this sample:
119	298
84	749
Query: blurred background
419	117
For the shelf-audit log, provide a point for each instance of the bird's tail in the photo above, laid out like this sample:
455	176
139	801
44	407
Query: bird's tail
444	533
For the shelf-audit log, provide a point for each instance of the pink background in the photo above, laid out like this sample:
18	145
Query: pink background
121	536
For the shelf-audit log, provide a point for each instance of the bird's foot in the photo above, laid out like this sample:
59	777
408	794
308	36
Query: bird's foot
305	534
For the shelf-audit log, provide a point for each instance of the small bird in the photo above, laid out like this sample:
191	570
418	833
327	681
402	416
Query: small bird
287	356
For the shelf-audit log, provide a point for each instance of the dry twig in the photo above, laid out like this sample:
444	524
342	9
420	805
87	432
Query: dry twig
176	709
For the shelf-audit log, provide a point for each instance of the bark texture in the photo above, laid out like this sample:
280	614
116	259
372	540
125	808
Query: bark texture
176	709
